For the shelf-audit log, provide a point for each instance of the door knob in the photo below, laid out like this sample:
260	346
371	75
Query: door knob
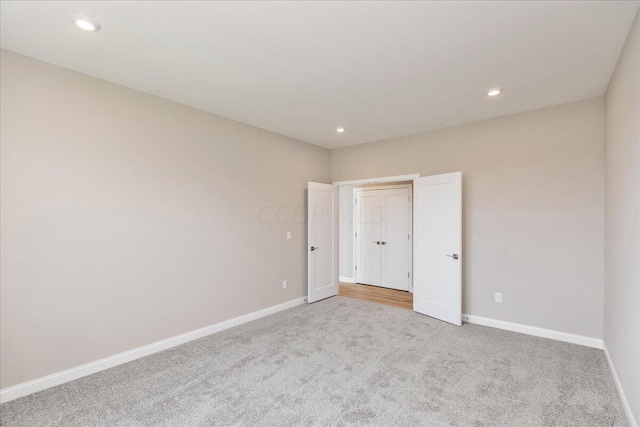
313	248
384	243
377	242
454	256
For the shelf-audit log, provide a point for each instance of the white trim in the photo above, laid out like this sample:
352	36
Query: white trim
396	178
42	383
347	279
382	187
532	330
616	380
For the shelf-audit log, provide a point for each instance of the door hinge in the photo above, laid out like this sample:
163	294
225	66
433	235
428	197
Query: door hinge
356	234
408	274
356	268
409	236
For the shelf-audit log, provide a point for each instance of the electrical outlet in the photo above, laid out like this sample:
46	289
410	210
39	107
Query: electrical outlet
288	235
284	284
498	297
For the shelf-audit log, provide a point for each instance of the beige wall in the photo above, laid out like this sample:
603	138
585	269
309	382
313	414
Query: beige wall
622	220
533	204
127	219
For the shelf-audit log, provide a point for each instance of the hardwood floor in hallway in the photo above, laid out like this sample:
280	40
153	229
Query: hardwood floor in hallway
377	294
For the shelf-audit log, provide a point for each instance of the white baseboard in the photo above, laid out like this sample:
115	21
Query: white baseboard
347	279
11	393
623	397
532	330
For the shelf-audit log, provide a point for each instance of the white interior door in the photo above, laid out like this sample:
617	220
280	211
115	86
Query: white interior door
437	240
368	240
322	226
395	238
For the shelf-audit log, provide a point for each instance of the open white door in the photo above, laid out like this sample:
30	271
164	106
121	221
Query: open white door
437	243
322	226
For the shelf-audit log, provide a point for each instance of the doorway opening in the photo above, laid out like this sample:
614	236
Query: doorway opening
375	234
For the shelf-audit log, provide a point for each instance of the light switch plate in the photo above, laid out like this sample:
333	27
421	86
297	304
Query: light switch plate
288	235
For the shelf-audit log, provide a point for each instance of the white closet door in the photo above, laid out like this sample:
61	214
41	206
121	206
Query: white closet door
368	222
396	243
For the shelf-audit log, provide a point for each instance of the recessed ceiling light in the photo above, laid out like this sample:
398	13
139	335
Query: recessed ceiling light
85	23
494	92
340	130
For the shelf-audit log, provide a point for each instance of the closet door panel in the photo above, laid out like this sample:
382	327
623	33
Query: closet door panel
368	252
396	231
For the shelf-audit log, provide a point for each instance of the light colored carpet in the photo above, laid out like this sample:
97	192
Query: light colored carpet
340	362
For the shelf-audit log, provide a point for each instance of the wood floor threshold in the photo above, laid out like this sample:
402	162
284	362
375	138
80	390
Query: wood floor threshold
377	294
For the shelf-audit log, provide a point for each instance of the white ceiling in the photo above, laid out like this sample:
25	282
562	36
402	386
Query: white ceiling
380	69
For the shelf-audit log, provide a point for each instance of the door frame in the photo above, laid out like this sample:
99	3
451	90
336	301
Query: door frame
397	178
355	225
